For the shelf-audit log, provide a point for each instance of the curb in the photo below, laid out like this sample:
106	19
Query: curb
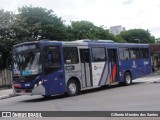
158	81
8	96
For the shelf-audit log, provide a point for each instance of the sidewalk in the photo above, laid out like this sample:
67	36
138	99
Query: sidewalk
6	93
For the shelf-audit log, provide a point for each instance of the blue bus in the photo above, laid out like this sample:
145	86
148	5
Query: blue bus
54	67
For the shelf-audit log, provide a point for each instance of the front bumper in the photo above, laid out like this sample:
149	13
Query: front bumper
39	90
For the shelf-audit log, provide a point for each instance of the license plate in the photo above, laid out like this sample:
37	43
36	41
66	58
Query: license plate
23	91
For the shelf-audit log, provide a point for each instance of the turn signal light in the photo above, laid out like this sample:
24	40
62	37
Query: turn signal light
17	85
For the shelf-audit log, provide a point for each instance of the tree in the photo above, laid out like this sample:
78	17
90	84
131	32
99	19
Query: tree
120	39
104	34
87	30
6	36
34	23
137	35
7	20
80	30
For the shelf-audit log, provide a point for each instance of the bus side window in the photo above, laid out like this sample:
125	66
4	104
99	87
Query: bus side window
98	54
135	53
124	53
52	56
49	56
144	53
70	55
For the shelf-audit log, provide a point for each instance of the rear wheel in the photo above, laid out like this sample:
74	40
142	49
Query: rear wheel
127	78
72	88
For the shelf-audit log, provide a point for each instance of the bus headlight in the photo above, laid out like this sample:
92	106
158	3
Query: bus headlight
40	82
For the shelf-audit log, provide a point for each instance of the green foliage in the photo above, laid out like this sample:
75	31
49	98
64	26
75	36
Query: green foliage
137	35
6	25
1	61
81	30
6	36
103	34
34	23
4	55
120	39
87	30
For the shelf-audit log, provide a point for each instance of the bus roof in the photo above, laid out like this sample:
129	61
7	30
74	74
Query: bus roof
85	42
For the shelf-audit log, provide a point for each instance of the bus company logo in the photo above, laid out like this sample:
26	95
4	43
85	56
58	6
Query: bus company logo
98	67
95	67
6	114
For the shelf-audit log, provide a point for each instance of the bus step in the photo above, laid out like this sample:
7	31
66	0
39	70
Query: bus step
114	83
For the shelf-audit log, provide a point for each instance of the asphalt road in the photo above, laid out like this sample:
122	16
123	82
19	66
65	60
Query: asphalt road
143	95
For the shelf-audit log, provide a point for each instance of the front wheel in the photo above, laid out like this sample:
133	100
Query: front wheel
127	78
72	88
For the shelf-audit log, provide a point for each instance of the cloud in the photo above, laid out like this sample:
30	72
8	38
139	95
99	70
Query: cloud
127	2
128	13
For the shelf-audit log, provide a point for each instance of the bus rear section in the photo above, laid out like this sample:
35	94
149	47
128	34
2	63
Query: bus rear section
134	60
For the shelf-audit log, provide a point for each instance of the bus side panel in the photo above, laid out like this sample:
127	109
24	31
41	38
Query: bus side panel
148	68
56	80
143	67
56	83
104	73
138	68
147	64
127	65
100	73
100	70
72	71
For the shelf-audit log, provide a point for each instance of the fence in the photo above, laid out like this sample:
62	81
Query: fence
5	78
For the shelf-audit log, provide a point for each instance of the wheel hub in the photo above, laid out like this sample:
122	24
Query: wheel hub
128	79
72	88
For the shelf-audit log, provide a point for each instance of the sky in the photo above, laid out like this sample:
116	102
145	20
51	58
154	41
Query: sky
130	14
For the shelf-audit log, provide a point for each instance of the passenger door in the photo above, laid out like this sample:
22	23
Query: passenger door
85	68
113	65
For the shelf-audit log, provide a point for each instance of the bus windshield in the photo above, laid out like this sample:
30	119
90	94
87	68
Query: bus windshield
26	60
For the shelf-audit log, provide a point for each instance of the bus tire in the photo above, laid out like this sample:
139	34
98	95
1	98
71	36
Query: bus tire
127	78
72	88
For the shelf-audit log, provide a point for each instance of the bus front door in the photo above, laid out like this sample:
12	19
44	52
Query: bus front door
85	68
113	65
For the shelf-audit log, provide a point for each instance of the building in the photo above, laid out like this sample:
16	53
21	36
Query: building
155	55
116	29
157	40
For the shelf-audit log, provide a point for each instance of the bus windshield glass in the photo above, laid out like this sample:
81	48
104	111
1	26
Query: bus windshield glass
26	60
